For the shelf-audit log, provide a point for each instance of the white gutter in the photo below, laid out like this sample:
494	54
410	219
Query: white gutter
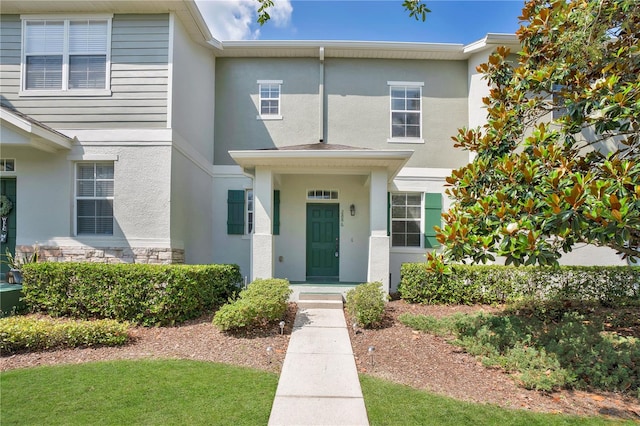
321	95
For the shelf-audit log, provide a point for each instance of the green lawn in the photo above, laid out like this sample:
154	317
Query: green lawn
392	404
137	393
197	393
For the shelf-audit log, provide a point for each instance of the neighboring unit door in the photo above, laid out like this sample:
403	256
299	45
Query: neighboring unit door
323	242
8	225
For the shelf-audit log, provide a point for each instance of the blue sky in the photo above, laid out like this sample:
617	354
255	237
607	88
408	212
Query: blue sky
451	21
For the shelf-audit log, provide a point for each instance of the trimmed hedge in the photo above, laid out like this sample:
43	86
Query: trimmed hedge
473	284
139	293
31	334
264	300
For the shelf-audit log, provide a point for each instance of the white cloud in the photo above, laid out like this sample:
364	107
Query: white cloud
236	19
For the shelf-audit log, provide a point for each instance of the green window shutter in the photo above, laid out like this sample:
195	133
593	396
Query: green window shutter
276	212
235	212
388	214
432	217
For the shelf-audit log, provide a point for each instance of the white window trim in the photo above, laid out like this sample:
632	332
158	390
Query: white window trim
404	249
76	198
322	200
419	140
64	91
267	117
246	213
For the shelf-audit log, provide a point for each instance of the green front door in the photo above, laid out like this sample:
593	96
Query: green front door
7	225
323	242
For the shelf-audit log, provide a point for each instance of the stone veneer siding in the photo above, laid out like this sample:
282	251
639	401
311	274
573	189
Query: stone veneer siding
154	255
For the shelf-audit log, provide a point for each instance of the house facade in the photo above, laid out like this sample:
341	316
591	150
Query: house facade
130	135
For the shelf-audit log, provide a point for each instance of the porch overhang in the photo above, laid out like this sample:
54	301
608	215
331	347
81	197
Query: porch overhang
319	159
17	129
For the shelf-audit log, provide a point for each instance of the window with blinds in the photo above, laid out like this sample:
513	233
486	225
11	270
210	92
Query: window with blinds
94	198
66	54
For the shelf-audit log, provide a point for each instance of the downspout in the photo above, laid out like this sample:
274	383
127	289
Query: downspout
321	95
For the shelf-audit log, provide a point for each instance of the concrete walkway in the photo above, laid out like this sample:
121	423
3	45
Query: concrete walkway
319	382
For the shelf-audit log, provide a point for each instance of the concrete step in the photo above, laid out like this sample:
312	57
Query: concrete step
320	296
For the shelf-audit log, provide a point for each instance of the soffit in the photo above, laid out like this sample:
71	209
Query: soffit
21	130
323	161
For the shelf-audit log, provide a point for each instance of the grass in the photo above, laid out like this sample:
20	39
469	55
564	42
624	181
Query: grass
146	392
183	392
392	404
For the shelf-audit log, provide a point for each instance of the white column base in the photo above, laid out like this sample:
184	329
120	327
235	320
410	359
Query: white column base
378	269
262	256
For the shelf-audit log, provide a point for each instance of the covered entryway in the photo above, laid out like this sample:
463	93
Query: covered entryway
330	212
323	242
7	225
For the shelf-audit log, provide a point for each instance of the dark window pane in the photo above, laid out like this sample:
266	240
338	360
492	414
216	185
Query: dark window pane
44	72
413	240
399	240
86	208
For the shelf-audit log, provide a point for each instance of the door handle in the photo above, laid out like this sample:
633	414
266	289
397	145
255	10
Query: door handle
337	247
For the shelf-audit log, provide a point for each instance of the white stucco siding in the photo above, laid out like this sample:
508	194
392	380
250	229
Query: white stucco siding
423	180
45	186
44	194
358	106
192	208
229	248
237	109
192	91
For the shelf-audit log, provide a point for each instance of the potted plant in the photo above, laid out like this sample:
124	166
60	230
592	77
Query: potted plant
14	276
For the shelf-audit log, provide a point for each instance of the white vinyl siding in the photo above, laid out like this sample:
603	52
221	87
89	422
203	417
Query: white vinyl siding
405	112
94	198
269	102
138	78
66	55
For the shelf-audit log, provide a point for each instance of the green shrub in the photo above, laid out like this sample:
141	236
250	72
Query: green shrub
571	350
365	303
138	293
264	300
472	284
20	333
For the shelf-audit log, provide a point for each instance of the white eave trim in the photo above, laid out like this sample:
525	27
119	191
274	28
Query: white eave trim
39	135
491	40
393	160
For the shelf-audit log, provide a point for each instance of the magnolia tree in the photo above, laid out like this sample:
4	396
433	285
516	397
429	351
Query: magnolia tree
558	162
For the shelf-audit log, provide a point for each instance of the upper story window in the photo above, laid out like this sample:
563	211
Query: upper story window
406	111
66	55
269	102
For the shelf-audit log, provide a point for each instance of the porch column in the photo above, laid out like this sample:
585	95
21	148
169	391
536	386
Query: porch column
262	239
378	269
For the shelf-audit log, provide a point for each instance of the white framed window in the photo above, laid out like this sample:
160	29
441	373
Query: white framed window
249	209
269	99
322	194
94	198
66	55
7	165
405	112
406	219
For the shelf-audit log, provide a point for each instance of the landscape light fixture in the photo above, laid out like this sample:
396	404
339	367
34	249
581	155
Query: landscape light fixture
270	353
281	327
